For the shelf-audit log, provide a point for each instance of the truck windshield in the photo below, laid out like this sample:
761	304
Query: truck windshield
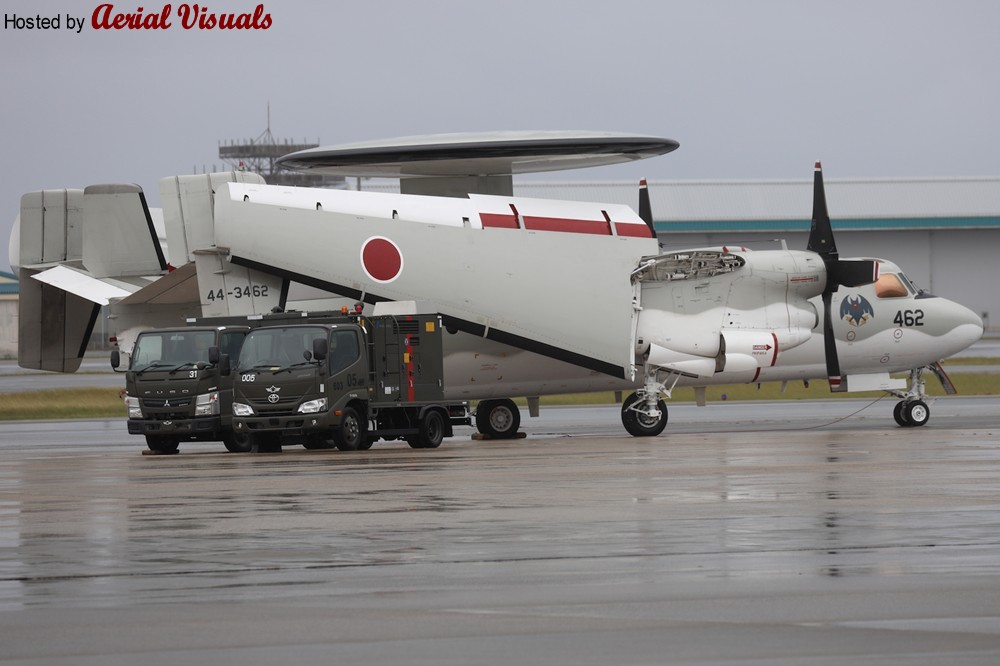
277	348
171	348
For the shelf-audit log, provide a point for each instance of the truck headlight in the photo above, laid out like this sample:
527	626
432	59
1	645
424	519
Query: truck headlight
132	405
239	409
207	404
312	406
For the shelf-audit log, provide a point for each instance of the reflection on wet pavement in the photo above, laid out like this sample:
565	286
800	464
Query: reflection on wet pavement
525	523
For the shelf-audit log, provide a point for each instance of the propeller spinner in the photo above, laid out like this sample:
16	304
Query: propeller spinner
846	272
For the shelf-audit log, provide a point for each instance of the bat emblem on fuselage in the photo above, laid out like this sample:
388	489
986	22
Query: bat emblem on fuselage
856	310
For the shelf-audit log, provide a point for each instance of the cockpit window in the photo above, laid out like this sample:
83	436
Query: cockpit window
909	283
889	285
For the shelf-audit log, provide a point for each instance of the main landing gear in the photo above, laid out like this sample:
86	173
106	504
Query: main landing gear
498	419
639	420
644	413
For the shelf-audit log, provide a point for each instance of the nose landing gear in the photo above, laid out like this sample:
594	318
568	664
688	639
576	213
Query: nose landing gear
911	413
912	410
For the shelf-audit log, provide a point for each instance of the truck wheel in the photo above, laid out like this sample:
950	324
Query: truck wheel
236	442
499	419
162	444
351	433
430	431
640	425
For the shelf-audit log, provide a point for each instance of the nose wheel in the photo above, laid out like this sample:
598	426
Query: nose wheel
911	413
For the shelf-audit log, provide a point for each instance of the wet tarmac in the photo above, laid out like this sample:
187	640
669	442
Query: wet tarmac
779	533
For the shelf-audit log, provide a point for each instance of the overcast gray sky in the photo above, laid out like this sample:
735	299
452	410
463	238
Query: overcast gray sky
750	89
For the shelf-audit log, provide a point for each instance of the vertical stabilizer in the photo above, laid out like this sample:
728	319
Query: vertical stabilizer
54	326
118	235
188	213
51	226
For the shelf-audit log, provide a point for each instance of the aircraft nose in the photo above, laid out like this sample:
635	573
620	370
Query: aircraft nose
968	327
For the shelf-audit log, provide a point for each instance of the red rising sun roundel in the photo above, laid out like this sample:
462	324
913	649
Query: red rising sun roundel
381	259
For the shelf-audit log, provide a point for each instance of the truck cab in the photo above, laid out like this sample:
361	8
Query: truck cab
178	387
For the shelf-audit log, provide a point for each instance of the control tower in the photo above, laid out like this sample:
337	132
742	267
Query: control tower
259	156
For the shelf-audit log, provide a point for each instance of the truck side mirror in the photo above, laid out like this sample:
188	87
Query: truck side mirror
320	348
224	367
213	355
116	359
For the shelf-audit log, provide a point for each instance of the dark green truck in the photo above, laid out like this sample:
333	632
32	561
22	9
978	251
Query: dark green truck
343	381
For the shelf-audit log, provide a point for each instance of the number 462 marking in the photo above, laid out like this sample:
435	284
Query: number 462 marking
909	318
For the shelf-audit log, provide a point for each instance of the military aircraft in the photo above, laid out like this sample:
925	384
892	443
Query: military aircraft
541	296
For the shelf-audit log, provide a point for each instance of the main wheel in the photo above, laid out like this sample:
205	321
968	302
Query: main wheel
162	444
431	430
917	413
236	442
499	419
897	414
640	425
351	433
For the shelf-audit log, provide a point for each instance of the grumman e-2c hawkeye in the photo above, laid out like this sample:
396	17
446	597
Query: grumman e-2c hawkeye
575	283
542	297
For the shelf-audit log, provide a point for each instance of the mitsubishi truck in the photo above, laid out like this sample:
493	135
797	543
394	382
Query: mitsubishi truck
343	382
178	386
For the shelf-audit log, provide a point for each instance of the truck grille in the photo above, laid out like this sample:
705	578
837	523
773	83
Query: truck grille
285	405
170	403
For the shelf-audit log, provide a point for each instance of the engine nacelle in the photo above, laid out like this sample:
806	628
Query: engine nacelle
680	362
761	346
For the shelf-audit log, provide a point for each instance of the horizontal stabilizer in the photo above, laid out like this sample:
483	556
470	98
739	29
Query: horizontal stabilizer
178	287
81	284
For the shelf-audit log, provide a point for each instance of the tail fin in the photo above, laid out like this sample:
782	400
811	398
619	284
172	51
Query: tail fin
188	213
118	235
54	326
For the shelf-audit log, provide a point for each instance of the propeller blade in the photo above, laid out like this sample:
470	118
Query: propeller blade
849	273
830	347
645	208
821	232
